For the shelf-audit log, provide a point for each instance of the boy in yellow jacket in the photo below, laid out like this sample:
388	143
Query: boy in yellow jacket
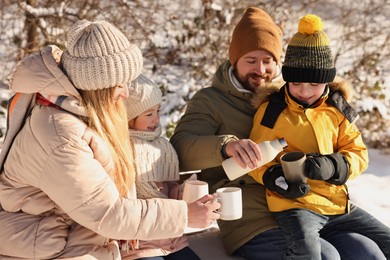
312	114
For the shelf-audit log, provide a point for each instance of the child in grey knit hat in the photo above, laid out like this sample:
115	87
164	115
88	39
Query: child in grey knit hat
157	165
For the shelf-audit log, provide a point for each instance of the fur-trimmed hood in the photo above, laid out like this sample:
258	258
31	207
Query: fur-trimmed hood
262	94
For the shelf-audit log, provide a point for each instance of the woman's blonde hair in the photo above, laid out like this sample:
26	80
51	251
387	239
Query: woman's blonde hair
107	117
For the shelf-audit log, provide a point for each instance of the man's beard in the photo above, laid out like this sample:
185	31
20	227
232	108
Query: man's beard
252	87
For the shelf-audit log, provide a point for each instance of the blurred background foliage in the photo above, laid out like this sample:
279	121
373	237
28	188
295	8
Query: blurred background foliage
184	41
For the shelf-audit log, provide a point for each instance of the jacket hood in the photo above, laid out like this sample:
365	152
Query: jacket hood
343	87
262	94
338	85
40	72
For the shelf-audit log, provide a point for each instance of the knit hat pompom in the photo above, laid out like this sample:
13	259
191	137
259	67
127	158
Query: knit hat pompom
99	56
143	94
310	24
309	56
255	31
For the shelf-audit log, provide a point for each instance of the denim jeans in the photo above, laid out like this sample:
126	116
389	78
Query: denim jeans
271	244
360	222
357	236
302	229
185	253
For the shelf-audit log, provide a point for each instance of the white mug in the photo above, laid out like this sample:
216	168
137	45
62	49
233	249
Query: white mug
194	190
293	164
230	199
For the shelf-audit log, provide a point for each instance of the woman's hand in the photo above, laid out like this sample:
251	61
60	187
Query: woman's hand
100	150
201	213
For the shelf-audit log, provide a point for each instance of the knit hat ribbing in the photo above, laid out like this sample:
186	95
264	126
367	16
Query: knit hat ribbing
309	56
255	31
143	94
99	56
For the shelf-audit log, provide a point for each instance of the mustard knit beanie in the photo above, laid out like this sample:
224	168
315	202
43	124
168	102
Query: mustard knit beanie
309	56
99	56
255	31
143	94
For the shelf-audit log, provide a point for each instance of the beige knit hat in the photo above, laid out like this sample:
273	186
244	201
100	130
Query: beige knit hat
99	56
255	31
143	94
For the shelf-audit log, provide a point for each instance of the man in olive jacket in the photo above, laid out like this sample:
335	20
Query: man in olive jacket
218	120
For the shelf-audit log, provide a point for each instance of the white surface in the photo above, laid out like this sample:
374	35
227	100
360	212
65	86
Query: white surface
371	190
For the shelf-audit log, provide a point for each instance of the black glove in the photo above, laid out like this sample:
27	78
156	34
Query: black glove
333	168
274	180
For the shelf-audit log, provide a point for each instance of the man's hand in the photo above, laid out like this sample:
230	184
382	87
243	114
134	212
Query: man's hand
245	152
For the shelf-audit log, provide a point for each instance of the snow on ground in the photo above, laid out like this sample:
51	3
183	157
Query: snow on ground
371	190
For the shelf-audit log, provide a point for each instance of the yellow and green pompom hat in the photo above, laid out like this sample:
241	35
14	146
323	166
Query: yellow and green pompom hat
309	56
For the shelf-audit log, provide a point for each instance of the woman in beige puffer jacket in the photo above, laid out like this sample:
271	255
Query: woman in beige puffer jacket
65	169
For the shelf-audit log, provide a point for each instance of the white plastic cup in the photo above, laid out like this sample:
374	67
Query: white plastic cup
194	190
293	164
230	199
